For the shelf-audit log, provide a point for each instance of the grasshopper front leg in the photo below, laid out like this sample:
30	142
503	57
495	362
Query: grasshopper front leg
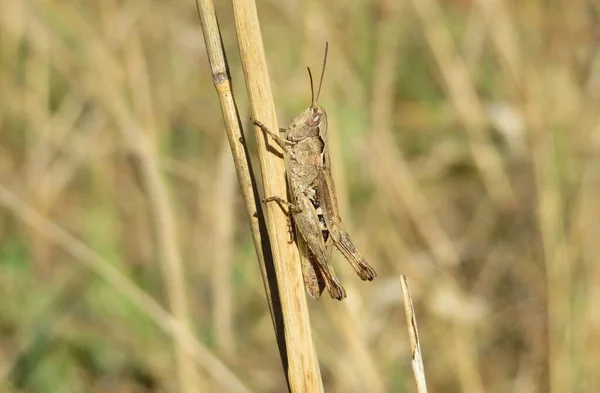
293	208
283	143
290	212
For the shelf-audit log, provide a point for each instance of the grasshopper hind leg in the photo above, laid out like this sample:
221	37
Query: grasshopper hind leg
358	262
344	244
335	289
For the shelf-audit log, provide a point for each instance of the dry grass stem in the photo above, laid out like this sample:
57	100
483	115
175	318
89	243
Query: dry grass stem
248	187
223	225
302	368
413	333
236	138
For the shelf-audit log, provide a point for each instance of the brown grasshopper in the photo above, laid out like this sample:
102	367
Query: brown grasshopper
313	205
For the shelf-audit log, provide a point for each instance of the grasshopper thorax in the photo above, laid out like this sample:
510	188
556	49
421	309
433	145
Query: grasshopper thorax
309	123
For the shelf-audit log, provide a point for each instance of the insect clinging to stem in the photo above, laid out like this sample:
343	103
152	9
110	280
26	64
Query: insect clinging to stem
313	204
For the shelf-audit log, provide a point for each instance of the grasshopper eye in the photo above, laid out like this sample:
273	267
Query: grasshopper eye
315	119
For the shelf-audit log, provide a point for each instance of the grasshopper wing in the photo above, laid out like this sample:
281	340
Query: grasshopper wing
314	281
307	223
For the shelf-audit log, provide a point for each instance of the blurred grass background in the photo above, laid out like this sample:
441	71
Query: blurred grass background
464	139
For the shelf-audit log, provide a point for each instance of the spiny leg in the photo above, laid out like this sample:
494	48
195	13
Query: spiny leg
290	227
339	235
358	262
293	207
335	289
291	210
281	142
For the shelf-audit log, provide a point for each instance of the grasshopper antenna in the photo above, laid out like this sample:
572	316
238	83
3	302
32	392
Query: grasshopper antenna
322	73
312	90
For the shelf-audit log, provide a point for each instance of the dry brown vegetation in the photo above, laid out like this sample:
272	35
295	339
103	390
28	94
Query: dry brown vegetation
464	136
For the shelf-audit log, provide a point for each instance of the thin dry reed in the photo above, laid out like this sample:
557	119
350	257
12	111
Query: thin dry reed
236	138
302	367
293	331
413	334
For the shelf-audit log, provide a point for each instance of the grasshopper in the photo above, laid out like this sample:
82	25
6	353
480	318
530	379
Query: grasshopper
313	207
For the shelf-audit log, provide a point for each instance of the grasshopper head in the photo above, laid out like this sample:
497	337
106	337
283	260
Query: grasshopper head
317	117
313	120
309	123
